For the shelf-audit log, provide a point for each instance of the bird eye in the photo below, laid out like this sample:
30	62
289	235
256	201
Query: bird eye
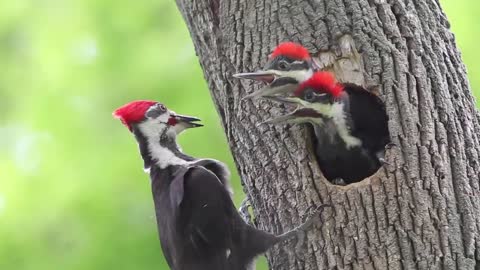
283	65
162	107
308	96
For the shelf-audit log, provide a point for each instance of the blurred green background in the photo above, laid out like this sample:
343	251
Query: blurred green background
73	194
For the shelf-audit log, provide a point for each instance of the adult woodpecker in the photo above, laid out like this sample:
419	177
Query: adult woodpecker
289	65
350	125
198	224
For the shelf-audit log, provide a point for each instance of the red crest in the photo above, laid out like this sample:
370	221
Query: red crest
322	82
133	112
291	50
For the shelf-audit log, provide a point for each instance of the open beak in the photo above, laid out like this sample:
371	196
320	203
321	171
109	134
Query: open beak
290	118
187	121
285	100
268	91
297	116
269	77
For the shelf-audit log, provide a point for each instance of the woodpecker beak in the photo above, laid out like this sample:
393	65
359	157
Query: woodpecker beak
284	119
286	100
272	78
262	76
289	118
300	115
187	121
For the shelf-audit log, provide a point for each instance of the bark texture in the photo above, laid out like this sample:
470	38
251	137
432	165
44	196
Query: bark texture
419	212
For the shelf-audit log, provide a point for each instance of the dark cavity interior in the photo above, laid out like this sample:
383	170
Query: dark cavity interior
342	165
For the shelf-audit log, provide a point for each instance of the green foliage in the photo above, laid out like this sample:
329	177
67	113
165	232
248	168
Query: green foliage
73	194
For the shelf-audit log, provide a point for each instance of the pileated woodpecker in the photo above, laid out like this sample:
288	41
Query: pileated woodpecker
198	224
350	125
289	65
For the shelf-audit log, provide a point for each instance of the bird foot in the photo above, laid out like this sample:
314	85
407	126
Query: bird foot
390	145
244	213
300	231
338	182
381	154
383	161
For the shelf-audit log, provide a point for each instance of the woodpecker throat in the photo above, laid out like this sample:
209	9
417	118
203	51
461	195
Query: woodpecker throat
159	149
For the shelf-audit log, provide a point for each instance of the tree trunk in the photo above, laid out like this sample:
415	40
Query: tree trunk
421	211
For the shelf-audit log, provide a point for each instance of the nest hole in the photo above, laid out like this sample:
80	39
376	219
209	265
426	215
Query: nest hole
343	166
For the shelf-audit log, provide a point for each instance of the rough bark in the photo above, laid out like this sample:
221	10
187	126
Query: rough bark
419	212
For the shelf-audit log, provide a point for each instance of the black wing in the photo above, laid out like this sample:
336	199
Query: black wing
205	220
368	113
215	234
199	225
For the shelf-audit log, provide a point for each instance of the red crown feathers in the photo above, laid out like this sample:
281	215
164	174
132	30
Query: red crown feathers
133	112
292	50
323	82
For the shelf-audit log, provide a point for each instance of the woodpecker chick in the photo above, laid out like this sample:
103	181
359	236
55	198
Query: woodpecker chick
198	224
289	65
350	124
